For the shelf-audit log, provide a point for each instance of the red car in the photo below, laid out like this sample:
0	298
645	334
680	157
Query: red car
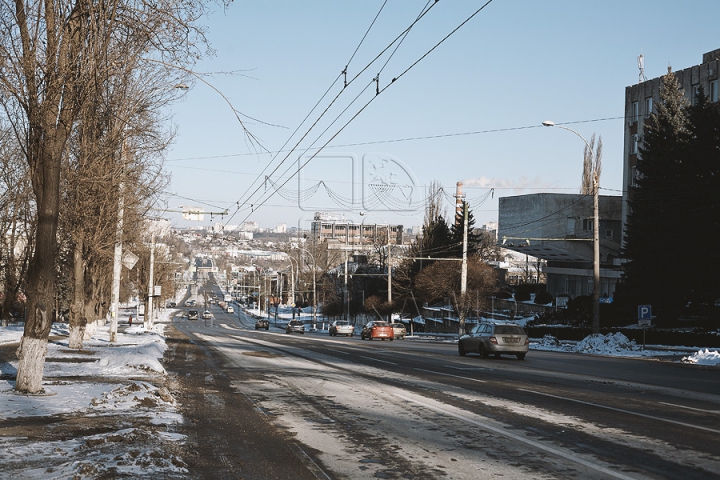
377	329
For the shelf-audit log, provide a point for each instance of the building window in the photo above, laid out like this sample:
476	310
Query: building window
648	107
633	144
634	112
695	93
588	224
714	91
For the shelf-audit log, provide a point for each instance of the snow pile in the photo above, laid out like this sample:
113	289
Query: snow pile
549	342
143	356
703	357
609	344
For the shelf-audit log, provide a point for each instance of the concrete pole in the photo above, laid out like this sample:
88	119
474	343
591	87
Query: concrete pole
117	265
151	286
596	253
463	271
389	262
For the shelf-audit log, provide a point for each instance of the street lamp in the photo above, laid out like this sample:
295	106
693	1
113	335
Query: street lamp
314	287
596	228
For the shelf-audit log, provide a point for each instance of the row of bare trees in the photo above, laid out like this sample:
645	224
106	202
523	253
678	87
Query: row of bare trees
84	87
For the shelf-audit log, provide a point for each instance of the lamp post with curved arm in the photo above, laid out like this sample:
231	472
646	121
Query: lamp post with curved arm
291	295
596	229
314	286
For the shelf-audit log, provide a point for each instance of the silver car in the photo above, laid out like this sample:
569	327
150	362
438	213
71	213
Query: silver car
497	338
399	330
341	327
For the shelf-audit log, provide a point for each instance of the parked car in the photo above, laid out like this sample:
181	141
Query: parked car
207	315
230	309
171	305
262	323
295	326
497	338
341	327
399	330
377	329
192	314
188	303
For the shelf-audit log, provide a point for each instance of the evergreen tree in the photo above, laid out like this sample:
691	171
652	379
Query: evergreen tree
676	199
702	198
474	239
653	229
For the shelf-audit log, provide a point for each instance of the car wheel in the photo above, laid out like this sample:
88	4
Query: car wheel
483	353
520	356
391	339
461	349
267	328
497	355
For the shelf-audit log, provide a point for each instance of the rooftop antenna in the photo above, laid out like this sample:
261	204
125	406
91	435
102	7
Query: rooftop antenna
641	66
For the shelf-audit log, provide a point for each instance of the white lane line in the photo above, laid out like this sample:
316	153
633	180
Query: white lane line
383	361
621	410
499	431
714	412
450	375
470	368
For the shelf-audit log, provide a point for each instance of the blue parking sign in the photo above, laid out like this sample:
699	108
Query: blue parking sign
644	312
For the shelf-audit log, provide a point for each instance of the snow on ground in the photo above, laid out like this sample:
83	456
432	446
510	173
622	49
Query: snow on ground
116	379
104	384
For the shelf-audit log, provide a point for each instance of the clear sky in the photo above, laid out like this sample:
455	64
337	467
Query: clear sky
470	111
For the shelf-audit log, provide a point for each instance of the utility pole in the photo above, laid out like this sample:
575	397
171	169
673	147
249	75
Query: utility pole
347	295
463	271
151	286
389	262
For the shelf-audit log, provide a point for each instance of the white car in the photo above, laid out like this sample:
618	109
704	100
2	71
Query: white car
341	327
206	315
230	309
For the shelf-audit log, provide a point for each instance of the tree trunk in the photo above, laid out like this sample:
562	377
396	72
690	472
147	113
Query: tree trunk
41	277
78	319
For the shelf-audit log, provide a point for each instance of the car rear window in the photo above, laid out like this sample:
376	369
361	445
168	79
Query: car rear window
509	330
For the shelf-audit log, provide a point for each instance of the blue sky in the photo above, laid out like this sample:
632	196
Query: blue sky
513	65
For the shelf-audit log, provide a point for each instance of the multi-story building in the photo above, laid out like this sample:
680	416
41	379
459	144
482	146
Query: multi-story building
340	233
558	228
640	100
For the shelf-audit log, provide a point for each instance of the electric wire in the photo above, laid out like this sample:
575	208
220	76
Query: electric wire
379	91
335	99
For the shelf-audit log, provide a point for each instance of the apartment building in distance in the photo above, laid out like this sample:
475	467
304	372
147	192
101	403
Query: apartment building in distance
340	233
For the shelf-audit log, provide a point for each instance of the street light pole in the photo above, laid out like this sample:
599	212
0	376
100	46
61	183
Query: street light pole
314	287
596	228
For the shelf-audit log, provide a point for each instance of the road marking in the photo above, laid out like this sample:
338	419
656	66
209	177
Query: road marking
446	410
469	368
715	412
451	375
621	410
383	361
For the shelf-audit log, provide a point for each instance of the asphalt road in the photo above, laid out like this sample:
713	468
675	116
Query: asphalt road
413	409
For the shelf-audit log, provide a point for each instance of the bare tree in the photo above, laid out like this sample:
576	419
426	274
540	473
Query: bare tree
52	52
440	283
592	165
17	221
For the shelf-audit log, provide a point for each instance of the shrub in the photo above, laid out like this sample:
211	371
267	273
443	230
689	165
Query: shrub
543	298
522	295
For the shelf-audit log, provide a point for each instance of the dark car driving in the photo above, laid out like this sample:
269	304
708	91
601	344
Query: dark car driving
262	323
192	314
